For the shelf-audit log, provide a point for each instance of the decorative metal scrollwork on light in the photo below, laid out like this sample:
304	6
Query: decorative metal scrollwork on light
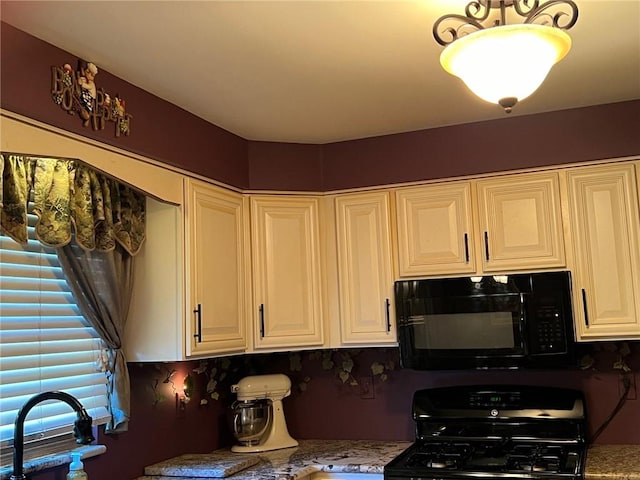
501	63
561	14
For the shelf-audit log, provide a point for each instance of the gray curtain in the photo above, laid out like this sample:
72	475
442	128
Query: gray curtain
97	225
101	282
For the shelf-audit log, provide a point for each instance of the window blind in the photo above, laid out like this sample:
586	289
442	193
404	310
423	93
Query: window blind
45	343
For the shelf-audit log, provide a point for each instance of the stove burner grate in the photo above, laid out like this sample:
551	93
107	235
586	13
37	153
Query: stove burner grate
503	456
440	455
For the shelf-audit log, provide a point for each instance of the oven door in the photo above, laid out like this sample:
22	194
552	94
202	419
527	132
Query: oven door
458	323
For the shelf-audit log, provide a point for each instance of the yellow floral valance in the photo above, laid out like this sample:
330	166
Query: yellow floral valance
69	197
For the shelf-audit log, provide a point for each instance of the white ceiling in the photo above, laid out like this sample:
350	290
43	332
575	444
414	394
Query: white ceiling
321	71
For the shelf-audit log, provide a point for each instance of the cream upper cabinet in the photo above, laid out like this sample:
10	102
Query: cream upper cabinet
435	228
190	279
605	227
365	269
217	270
518	218
520	222
287	307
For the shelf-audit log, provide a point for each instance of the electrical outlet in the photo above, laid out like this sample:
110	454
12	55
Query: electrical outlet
367	390
633	391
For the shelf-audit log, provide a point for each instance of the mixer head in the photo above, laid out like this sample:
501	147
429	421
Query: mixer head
272	387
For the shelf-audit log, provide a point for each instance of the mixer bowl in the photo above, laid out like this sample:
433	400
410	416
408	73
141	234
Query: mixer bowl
250	420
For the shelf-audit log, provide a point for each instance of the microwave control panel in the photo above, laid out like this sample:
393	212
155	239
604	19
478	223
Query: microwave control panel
549	334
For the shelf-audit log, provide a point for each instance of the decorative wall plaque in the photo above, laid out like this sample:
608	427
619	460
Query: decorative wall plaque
77	92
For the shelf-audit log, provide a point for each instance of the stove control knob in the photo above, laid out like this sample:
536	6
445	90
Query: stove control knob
494	412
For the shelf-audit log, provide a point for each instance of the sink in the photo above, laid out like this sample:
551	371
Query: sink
343	476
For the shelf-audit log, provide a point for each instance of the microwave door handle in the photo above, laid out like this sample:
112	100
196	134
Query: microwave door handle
523	320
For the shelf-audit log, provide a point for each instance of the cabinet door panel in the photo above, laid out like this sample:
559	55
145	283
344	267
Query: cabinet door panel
365	268
520	221
606	225
434	230
216	280
286	261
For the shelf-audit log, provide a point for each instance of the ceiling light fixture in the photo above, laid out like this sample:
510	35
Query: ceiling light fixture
502	63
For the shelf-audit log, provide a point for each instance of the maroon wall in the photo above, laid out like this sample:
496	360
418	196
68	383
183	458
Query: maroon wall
160	130
285	166
568	136
592	133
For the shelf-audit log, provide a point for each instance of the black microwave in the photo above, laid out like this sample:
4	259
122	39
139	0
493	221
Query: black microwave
501	321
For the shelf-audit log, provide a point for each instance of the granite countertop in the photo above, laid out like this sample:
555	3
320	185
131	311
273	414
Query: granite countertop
604	462
613	462
352	456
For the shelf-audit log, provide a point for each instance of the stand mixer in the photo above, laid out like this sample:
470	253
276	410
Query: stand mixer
258	418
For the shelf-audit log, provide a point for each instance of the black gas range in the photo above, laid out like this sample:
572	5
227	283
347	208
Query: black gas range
502	432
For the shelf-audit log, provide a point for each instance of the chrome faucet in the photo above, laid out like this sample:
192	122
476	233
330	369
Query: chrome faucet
82	430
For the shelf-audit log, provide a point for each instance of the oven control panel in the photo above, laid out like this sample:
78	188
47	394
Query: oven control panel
477	400
508	400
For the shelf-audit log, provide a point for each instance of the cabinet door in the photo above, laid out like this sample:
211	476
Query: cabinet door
365	268
520	222
605	226
216	280
286	272
434	229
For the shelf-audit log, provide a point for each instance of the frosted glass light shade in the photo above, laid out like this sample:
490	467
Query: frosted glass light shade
506	62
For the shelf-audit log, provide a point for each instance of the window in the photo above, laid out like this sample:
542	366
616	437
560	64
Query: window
45	344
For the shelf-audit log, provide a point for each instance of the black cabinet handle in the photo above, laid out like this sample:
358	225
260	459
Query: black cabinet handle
261	309
466	247
486	245
386	304
198	334
584	306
